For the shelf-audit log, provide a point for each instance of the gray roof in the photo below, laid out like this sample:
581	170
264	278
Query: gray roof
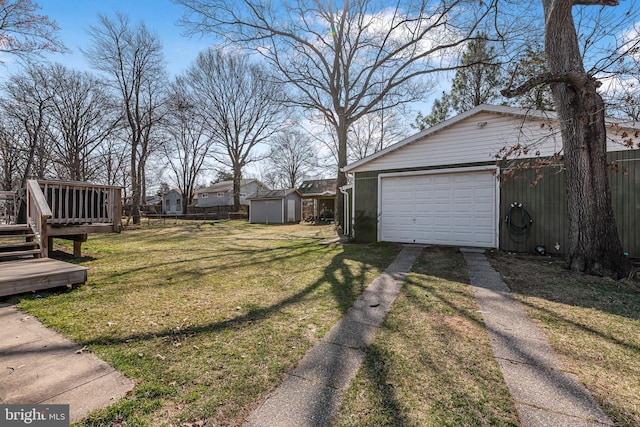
273	194
224	186
318	187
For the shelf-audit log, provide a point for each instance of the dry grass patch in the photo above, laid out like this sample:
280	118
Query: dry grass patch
431	363
207	318
592	323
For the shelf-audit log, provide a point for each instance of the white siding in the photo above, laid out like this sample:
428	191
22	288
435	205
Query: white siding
479	138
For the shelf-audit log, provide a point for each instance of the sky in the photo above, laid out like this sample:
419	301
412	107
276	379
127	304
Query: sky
74	17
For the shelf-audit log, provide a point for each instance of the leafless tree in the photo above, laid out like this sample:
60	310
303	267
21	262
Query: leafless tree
189	144
350	60
82	118
132	58
623	87
113	156
27	101
240	104
290	157
372	133
594	245
25	33
12	153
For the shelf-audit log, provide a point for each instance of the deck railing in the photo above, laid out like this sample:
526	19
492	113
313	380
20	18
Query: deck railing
38	213
7	207
76	203
59	208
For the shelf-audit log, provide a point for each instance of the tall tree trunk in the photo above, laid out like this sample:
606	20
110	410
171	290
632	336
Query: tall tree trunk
237	177
135	187
338	213
594	244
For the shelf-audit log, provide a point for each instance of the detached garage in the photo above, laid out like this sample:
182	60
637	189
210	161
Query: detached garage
443	185
439	207
275	207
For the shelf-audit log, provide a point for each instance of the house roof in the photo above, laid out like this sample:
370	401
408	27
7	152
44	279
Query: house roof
529	114
273	194
224	186
318	187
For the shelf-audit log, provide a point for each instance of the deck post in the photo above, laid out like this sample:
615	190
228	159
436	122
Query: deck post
77	249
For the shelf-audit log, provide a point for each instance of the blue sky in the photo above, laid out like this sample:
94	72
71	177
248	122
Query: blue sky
75	16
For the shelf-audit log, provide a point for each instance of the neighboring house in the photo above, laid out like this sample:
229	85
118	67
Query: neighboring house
276	207
153	200
440	186
221	194
172	203
319	198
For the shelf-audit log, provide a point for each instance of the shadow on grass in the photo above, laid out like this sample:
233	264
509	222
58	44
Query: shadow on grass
435	363
376	368
548	280
345	287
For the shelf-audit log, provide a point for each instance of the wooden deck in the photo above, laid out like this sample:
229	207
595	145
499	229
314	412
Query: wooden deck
40	273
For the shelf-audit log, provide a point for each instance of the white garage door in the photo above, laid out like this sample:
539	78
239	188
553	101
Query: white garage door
457	208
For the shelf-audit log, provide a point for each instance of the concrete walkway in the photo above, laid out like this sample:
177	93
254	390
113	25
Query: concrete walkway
310	394
545	394
40	366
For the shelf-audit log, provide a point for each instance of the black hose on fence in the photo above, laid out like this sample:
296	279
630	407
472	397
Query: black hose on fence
521	227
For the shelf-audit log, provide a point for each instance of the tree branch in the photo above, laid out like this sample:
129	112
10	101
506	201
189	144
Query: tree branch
572	78
596	2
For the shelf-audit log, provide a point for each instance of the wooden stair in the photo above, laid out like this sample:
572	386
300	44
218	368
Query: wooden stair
28	275
18	242
23	270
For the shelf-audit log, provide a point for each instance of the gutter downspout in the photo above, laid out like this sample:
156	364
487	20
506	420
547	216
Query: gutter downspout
346	231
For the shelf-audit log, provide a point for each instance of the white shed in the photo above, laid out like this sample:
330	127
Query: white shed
276	207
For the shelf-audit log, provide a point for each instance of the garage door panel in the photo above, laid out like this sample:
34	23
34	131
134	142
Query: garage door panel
463	222
442	208
483	223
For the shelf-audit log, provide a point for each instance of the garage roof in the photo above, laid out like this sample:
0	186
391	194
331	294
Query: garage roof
528	114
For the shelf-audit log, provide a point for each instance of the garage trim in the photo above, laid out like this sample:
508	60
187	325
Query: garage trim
492	168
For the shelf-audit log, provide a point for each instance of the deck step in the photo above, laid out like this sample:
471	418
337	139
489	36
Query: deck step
34	274
17	241
16	254
12	228
17	245
17	236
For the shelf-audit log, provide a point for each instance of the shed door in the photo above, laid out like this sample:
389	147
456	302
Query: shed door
444	208
291	210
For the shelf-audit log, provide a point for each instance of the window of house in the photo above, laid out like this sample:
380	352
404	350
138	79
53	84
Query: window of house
178	201
204	195
220	194
243	194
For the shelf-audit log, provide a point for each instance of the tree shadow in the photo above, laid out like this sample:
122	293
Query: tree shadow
345	286
457	374
545	277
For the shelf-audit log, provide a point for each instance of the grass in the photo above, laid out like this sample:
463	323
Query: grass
592	323
206	318
431	363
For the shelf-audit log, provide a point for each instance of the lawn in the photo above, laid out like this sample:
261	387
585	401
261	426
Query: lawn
207	318
431	363
592	323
